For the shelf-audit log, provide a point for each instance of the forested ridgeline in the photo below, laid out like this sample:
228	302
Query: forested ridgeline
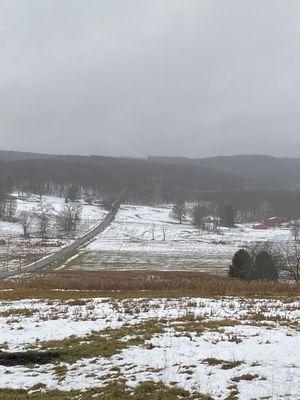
260	170
95	176
109	174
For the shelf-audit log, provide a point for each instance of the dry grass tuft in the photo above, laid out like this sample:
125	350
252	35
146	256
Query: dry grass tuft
222	363
245	377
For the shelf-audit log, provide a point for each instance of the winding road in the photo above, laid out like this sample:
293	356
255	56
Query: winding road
48	260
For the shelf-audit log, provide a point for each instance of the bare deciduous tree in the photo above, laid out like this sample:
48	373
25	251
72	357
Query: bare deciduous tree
73	192
69	217
164	232
8	208
226	215
290	260
179	210
11	208
108	202
200	214
286	258
25	219
153	232
295	230
43	217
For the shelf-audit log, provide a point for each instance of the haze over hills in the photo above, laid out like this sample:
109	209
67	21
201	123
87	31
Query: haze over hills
199	173
7	155
112	173
263	169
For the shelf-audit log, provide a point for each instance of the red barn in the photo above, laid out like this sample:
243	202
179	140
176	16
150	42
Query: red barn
273	222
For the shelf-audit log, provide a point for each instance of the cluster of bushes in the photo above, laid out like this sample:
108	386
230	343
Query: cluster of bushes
253	267
267	262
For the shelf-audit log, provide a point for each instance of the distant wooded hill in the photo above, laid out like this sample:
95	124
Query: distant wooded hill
248	183
109	173
265	171
114	173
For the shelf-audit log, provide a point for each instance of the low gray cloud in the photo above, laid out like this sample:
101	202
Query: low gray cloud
164	77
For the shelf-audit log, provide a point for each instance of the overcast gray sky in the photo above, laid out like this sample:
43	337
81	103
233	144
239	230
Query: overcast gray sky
150	77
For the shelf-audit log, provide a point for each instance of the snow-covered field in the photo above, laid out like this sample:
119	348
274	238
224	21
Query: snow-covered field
146	237
16	251
141	237
212	346
91	215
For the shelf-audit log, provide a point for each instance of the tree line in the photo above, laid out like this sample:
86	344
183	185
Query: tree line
205	215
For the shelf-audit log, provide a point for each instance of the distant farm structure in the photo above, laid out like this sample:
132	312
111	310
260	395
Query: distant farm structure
273	222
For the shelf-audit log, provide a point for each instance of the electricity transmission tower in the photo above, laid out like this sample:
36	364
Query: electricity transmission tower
156	190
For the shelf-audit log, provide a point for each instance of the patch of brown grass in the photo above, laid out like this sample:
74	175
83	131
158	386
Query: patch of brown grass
234	392
20	312
104	343
200	326
113	391
137	284
222	363
245	377
77	302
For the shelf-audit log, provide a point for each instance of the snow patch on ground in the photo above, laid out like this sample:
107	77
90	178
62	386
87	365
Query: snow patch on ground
268	350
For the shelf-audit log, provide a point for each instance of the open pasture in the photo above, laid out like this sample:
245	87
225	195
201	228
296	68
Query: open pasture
144	237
